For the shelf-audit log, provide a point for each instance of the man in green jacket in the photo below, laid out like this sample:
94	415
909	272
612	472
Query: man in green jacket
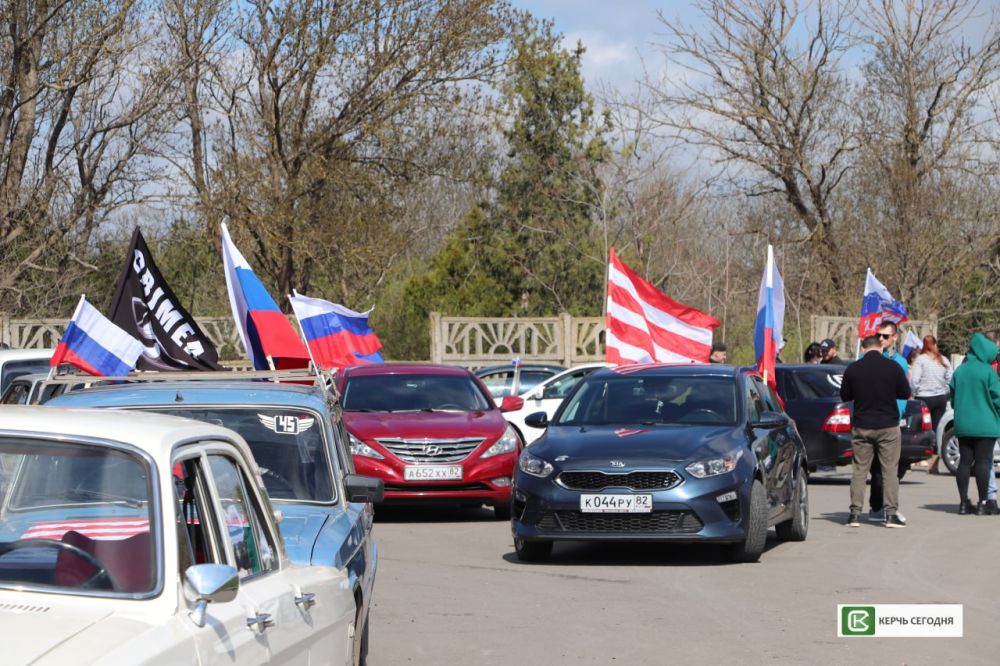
975	398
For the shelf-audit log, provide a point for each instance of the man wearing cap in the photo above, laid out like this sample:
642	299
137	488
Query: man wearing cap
718	354
829	350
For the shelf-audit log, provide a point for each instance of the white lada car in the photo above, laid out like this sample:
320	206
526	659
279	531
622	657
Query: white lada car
137	538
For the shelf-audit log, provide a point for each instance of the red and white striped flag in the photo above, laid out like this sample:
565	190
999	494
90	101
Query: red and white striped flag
646	326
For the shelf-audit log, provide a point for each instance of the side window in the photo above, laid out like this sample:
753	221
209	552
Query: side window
17	394
197	542
561	387
771	403
243	526
755	405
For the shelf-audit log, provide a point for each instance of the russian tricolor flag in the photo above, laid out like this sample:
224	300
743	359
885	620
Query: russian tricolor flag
337	336
265	331
95	345
769	326
877	306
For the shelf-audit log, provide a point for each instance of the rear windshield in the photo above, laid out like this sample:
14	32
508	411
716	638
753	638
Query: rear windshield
413	393
811	383
287	444
14	369
651	400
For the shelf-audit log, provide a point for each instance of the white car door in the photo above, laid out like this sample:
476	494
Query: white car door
225	637
546	398
302	614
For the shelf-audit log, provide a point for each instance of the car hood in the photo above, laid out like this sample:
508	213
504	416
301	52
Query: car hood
424	425
43	627
634	445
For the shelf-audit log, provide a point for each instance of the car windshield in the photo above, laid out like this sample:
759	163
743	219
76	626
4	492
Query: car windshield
651	400
287	444
75	517
413	393
500	384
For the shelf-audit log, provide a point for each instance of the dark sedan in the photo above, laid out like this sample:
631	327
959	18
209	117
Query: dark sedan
682	453
812	399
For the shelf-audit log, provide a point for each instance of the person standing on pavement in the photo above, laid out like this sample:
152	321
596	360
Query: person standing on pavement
975	398
888	334
929	379
828	348
874	383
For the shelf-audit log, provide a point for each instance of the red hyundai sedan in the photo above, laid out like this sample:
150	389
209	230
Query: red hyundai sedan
431	432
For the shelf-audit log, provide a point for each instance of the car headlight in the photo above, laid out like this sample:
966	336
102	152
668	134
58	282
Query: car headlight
359	448
506	444
715	466
529	464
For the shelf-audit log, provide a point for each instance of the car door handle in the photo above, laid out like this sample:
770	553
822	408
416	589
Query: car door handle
262	620
306	600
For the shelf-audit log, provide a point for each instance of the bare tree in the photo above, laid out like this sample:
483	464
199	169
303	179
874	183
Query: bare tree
760	89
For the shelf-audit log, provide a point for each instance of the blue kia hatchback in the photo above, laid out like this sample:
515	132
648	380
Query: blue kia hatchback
682	453
298	440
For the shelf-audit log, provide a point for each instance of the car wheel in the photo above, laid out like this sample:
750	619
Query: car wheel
501	511
750	549
797	527
949	450
532	551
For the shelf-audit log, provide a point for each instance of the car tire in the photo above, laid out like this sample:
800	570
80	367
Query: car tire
796	528
501	511
750	549
949	450
532	551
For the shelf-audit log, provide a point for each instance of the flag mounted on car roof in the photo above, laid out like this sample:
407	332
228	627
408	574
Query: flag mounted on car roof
266	333
768	327
94	344
147	308
337	336
644	325
878	306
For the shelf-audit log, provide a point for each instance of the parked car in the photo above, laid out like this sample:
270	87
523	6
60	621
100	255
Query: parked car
546	397
30	389
296	435
431	432
678	453
141	538
812	398
947	442
17	362
501	380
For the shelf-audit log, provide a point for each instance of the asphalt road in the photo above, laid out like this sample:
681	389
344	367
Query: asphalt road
451	591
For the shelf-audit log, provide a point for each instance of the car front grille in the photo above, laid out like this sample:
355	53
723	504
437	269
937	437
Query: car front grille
656	522
430	450
646	480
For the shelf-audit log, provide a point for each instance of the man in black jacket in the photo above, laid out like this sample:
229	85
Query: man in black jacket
874	383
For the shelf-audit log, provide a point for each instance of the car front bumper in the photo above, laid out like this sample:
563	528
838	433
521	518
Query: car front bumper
483	481
687	513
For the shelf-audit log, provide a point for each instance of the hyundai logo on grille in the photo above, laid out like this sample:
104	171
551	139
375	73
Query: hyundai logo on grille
617	463
432	450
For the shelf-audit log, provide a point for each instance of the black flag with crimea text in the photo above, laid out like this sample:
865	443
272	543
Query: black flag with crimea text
146	307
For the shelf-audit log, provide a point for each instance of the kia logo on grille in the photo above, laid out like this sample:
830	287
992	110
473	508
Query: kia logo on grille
432	450
617	463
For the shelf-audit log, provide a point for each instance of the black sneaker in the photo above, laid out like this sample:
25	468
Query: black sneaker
854	520
894	521
991	508
966	508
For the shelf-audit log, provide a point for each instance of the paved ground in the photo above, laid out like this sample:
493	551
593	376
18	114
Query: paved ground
450	591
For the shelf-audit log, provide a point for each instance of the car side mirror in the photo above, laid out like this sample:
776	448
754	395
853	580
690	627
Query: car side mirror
537	420
537	394
363	488
209	583
772	420
511	403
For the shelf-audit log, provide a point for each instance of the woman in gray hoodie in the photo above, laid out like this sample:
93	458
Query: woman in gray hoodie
929	377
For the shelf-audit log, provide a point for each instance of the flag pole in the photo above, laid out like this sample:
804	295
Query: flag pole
302	333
